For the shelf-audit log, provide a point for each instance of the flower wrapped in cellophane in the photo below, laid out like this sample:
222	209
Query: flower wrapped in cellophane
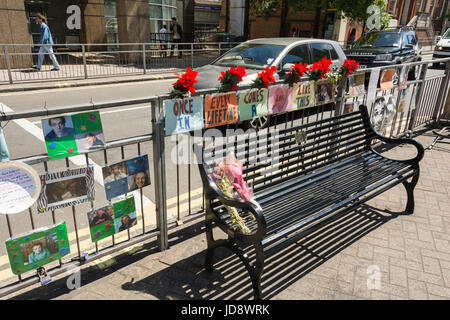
228	175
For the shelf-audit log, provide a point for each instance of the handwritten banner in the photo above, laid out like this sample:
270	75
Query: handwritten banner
221	109
183	115
253	103
304	95
280	99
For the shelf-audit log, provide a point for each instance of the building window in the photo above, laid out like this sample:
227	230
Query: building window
112	34
392	6
161	13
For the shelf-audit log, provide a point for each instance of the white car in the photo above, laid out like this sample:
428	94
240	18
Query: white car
256	54
442	49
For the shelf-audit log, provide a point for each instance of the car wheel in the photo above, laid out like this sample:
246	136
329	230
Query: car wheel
258	123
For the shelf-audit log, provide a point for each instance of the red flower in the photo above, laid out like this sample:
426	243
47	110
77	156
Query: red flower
319	69
229	79
186	80
301	68
350	66
266	76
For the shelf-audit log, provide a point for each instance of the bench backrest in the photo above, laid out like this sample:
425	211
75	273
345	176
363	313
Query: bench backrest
273	157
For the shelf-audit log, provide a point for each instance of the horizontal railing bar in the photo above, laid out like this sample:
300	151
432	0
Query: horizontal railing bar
71	265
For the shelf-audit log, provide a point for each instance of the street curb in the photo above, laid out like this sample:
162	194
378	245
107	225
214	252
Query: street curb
74	84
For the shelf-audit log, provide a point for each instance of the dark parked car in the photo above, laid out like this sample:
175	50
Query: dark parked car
387	47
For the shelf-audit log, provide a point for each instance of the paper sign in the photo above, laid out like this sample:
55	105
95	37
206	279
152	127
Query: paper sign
221	109
403	78
402	103
66	188
71	135
356	85
386	79
324	92
372	89
39	247
253	104
112	219
304	95
183	115
280	99
19	187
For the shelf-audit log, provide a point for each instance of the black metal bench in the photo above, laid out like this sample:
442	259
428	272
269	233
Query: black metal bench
314	182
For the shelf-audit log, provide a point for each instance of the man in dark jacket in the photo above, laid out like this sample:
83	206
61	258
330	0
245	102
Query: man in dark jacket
177	32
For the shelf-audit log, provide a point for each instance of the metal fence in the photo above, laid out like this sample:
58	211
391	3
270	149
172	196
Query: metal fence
84	61
176	192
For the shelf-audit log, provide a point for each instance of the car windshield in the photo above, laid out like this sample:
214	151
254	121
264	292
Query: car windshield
250	55
446	34
378	39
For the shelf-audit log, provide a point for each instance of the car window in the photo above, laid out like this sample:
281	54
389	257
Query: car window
378	39
250	55
446	34
321	50
298	54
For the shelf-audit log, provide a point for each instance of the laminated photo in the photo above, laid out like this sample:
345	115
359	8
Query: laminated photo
324	92
37	248
304	95
253	103
221	109
356	85
126	176
184	115
66	188
280	99
72	135
109	220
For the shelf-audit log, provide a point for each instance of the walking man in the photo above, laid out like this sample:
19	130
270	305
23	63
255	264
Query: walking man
177	31
46	41
163	39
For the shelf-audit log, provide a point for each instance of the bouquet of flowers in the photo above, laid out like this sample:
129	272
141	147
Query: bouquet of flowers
265	78
185	83
294	75
349	67
320	69
228	177
229	80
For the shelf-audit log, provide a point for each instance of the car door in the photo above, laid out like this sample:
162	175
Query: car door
298	54
407	52
320	50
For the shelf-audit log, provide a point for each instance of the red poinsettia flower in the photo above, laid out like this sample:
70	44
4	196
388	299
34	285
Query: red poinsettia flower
319	69
301	68
266	77
186	80
350	66
229	79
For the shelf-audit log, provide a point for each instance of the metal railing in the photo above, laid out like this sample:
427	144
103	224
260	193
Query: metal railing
84	61
176	189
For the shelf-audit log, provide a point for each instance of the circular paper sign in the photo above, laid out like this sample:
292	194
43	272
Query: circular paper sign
19	187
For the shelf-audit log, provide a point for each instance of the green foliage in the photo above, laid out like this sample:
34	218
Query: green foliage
355	10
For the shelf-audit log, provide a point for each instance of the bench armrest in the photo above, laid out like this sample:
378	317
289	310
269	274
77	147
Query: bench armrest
417	144
213	191
375	135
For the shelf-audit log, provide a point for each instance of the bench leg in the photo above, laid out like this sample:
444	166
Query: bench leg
212	246
409	186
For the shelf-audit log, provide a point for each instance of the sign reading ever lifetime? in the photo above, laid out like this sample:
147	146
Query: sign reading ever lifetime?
184	115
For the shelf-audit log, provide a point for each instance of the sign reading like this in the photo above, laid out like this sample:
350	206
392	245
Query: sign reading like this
221	109
183	115
304	95
253	104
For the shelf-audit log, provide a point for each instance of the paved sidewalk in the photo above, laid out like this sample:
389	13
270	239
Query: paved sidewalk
411	253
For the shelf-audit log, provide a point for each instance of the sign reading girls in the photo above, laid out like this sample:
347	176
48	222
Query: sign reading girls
221	109
183	115
253	104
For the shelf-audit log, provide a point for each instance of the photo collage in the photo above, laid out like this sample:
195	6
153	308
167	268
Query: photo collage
109	220
126	176
72	135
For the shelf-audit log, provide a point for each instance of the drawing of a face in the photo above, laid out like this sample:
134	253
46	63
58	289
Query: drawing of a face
379	113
